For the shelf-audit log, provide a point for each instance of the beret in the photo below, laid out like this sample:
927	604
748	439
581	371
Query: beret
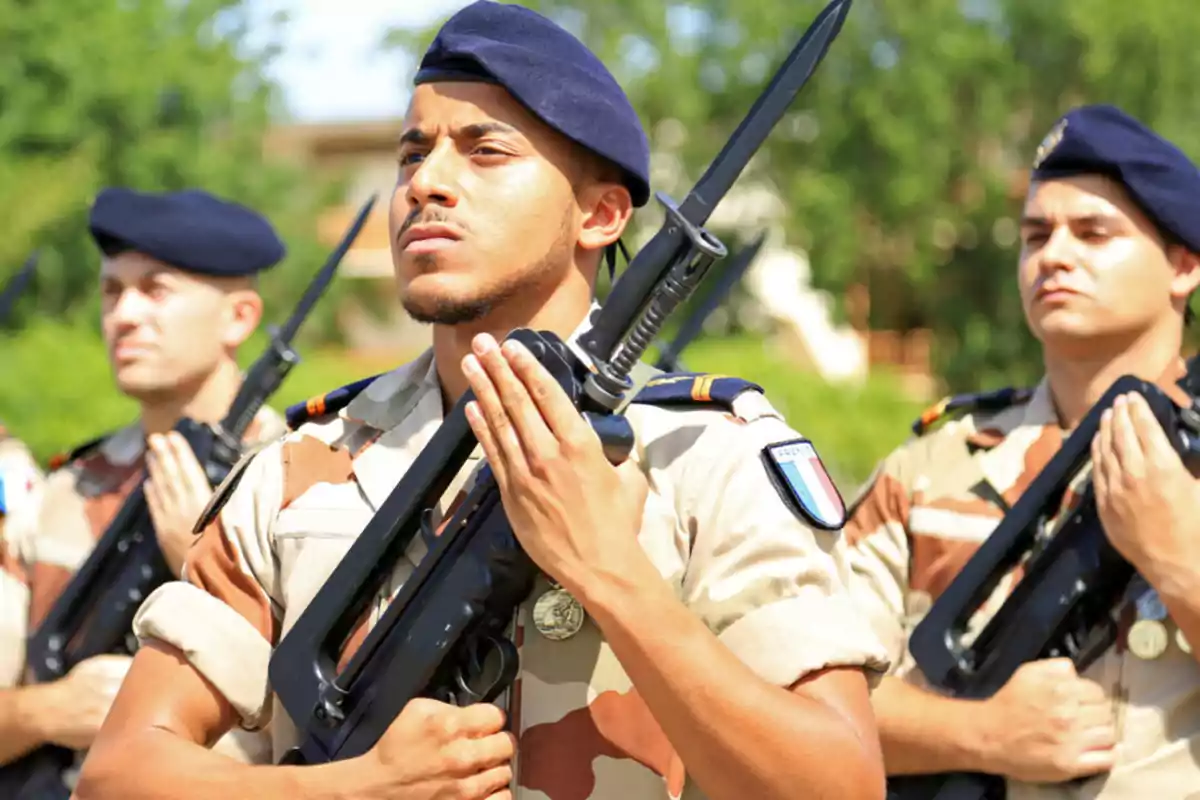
191	230
548	71
1104	140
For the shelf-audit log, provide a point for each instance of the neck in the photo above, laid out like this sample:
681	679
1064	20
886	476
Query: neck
560	312
1078	380
208	401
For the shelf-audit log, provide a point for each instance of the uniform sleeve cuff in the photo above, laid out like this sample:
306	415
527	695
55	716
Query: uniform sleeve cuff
785	641
216	640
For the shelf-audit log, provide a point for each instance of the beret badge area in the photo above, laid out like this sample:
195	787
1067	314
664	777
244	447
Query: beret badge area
1051	141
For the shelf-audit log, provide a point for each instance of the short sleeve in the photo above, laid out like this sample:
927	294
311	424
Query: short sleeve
762	578
222	615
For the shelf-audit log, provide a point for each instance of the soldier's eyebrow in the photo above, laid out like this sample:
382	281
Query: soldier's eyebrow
477	130
1095	219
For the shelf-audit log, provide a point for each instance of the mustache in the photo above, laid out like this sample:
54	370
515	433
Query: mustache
429	216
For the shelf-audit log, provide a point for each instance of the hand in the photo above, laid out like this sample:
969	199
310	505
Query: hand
77	704
177	491
434	751
1145	496
1048	725
576	515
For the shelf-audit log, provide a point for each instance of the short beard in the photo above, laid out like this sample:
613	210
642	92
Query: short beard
446	310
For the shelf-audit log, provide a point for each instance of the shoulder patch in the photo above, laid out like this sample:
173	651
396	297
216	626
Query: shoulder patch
693	388
328	403
59	460
804	483
965	403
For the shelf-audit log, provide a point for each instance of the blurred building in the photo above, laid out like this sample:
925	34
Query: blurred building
781	302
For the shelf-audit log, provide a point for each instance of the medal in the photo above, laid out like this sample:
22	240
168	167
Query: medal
557	615
1147	639
1182	641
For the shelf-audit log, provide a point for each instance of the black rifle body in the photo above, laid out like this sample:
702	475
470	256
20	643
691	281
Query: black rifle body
443	635
94	614
1065	604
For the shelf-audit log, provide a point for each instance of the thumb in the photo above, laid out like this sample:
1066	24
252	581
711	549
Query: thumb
633	480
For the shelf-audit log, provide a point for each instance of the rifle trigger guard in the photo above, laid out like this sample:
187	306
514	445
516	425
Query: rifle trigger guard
510	667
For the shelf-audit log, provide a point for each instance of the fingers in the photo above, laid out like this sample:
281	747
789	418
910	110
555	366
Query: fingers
470	756
490	785
1091	762
186	463
505	446
547	396
1124	440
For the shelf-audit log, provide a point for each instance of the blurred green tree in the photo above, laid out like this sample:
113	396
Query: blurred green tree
153	94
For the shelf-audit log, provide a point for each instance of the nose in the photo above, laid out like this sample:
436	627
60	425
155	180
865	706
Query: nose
432	181
1059	253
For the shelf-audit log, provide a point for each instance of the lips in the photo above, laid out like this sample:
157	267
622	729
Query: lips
424	238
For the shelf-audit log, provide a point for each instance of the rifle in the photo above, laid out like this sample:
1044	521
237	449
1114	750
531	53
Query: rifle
668	357
94	614
16	286
444	634
1065	605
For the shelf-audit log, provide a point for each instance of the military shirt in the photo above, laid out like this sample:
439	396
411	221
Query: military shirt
765	583
927	509
75	506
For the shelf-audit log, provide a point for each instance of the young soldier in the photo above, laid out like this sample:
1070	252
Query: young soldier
178	299
690	636
1108	261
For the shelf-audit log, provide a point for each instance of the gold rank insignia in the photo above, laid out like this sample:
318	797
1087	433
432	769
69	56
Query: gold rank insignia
1050	142
557	615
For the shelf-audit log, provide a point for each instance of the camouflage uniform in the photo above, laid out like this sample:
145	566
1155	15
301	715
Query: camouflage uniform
928	508
79	499
761	580
20	486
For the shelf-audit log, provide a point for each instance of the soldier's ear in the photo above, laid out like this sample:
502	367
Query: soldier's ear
244	308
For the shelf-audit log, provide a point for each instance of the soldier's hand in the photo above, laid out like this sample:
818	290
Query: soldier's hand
78	703
435	751
177	491
575	514
1049	725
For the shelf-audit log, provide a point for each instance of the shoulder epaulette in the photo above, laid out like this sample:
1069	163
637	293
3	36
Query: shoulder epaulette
994	400
328	403
59	460
693	388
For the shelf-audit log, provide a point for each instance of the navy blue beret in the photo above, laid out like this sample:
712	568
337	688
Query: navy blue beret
1102	139
551	73
191	230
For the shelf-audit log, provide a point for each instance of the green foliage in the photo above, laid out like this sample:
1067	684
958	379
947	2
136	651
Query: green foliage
902	164
57	390
155	94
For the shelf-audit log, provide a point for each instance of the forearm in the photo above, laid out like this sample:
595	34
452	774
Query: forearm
1176	586
926	733
23	720
153	763
711	705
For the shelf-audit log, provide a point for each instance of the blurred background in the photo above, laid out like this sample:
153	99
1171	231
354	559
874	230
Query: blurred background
888	196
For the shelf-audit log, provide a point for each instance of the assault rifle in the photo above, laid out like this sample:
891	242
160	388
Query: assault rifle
668	356
1065	606
16	286
444	634
94	614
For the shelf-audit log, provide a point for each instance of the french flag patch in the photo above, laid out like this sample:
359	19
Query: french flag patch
15	488
798	473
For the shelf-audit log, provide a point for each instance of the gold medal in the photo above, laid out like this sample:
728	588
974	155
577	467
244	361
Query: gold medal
557	615
1182	641
1147	639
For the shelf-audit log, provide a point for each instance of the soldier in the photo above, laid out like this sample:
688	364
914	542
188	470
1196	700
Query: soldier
689	605
177	282
1108	262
